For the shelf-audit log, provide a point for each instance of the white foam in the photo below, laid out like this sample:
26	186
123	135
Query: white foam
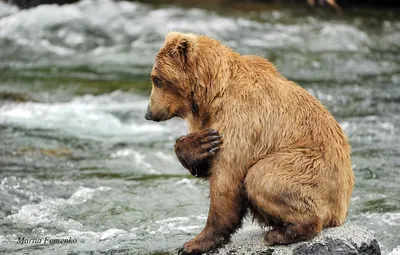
83	194
396	251
46	212
125	153
166	157
87	116
112	233
110	238
20	190
178	225
191	224
3	239
185	181
34	23
7	9
139	158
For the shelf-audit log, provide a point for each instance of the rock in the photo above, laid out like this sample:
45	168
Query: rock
346	239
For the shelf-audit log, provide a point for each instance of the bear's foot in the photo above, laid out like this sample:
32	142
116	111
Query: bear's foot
200	245
292	233
195	150
274	237
196	248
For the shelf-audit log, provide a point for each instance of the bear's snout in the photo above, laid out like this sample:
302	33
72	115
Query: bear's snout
157	115
149	114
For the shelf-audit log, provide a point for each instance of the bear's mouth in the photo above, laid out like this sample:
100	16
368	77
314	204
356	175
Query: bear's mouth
159	118
162	119
159	115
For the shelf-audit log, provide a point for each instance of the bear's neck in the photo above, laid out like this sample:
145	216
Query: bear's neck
211	80
199	119
207	105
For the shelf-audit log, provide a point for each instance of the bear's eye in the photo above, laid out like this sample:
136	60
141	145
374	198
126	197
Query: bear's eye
157	82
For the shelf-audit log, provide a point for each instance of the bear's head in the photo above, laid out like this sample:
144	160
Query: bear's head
172	78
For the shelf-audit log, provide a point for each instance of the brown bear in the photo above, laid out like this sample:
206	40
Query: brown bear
283	155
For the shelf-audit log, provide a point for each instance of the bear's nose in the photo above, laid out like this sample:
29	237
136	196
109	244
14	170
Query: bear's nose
149	114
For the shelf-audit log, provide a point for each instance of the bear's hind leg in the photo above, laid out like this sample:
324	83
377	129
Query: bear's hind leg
285	194
293	232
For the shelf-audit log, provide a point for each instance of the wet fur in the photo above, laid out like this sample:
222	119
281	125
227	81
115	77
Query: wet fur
284	156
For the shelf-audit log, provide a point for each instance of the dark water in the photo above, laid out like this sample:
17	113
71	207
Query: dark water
77	158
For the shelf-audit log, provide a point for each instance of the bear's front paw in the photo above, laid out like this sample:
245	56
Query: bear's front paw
195	150
194	247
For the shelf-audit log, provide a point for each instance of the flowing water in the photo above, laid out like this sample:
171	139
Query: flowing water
78	159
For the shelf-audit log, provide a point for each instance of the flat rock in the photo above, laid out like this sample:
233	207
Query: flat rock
346	239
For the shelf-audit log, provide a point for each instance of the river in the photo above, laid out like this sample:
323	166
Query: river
78	159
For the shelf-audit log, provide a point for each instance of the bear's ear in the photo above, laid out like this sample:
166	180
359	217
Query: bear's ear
182	46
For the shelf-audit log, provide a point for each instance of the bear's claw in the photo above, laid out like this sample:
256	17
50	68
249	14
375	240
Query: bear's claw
184	251
216	143
214	150
181	251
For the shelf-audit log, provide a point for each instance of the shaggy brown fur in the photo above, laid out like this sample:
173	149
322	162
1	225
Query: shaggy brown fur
284	156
